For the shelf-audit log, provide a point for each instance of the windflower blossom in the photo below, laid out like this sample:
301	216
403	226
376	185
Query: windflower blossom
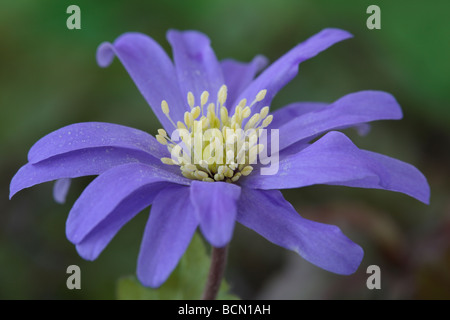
198	92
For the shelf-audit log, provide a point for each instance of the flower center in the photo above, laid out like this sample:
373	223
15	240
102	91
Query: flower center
212	145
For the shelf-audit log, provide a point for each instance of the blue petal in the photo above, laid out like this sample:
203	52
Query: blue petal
151	70
84	149
196	64
270	215
350	110
215	206
84	162
116	190
168	232
334	159
394	175
292	111
85	135
239	75
99	237
278	74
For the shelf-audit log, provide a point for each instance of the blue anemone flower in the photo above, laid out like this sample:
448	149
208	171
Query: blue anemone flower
136	170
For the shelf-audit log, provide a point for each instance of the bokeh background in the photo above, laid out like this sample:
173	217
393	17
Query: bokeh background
49	79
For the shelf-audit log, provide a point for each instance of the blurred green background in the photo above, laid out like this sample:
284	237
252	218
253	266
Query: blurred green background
49	79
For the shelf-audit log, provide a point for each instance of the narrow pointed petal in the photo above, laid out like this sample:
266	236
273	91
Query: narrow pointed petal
335	160
196	64
239	75
167	235
394	175
151	70
85	162
85	135
278	74
350	110
298	146
99	237
115	190
215	205
270	215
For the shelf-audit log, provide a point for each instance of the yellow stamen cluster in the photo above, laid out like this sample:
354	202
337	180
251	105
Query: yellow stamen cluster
213	146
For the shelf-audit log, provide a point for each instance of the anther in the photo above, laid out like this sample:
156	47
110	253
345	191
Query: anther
190	99
224	116
246	112
180	125
261	95
201	175
161	139
165	107
168	161
247	170
204	99
165	110
186	119
190	167
267	121
195	112
242	103
264	112
236	177
222	95
253	120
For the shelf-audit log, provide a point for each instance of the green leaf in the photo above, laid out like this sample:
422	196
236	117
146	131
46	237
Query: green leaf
186	282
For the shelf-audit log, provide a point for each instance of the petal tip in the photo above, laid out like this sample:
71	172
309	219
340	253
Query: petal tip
71	230
154	281
343	34
260	61
426	197
396	109
106	50
12	189
215	240
16	183
88	255
105	54
195	40
172	32
354	265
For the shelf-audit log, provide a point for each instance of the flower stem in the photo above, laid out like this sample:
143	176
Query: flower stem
216	271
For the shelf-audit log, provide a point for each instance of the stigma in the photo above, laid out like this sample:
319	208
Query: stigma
212	145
